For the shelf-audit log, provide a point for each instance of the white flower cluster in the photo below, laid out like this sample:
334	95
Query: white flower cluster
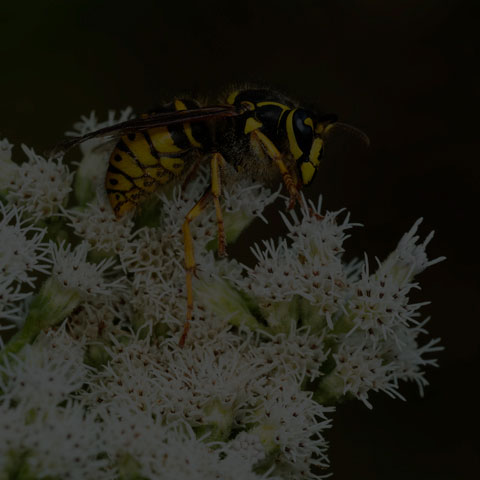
40	186
95	223
94	383
23	252
382	347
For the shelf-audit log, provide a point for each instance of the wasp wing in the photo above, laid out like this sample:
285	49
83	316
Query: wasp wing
154	120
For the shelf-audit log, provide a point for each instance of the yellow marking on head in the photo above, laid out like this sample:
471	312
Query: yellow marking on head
139	146
319	128
252	124
117	181
315	152
308	121
231	98
276	104
162	140
124	162
294	148
172	164
307	170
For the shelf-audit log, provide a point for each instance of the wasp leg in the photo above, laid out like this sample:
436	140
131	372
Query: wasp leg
214	189
190	265
216	164
272	151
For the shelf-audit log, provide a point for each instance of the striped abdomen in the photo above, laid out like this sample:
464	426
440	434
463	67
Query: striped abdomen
144	160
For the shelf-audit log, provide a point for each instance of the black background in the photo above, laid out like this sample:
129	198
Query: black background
403	71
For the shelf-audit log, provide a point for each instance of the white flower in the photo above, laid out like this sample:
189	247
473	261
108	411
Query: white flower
100	317
98	225
318	235
73	279
409	259
151	258
125	386
379	305
361	368
248	446
41	186
110	394
297	352
140	446
74	273
5	151
151	255
242	203
23	250
207	386
44	373
56	442
291	422
308	267
11	304
408	355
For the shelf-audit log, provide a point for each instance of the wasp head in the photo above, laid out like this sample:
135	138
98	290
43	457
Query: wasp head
310	134
314	144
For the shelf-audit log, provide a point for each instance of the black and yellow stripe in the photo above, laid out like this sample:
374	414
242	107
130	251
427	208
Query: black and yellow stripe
143	160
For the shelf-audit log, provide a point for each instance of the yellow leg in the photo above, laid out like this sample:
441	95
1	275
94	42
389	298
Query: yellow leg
216	163
272	151
197	209
215	190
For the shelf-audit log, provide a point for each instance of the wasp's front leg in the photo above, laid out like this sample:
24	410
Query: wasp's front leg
272	151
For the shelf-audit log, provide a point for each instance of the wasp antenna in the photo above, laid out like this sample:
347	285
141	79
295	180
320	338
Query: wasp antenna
351	129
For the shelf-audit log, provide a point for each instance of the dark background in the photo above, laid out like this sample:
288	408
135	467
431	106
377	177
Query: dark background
403	71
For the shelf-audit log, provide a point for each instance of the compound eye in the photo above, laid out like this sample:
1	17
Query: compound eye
303	126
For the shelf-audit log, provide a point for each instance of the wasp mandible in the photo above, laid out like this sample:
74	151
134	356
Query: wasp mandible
260	132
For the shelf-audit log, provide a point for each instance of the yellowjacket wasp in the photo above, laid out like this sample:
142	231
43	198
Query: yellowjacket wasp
262	133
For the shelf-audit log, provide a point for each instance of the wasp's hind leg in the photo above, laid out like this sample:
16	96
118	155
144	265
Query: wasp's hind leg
272	151
216	164
215	190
